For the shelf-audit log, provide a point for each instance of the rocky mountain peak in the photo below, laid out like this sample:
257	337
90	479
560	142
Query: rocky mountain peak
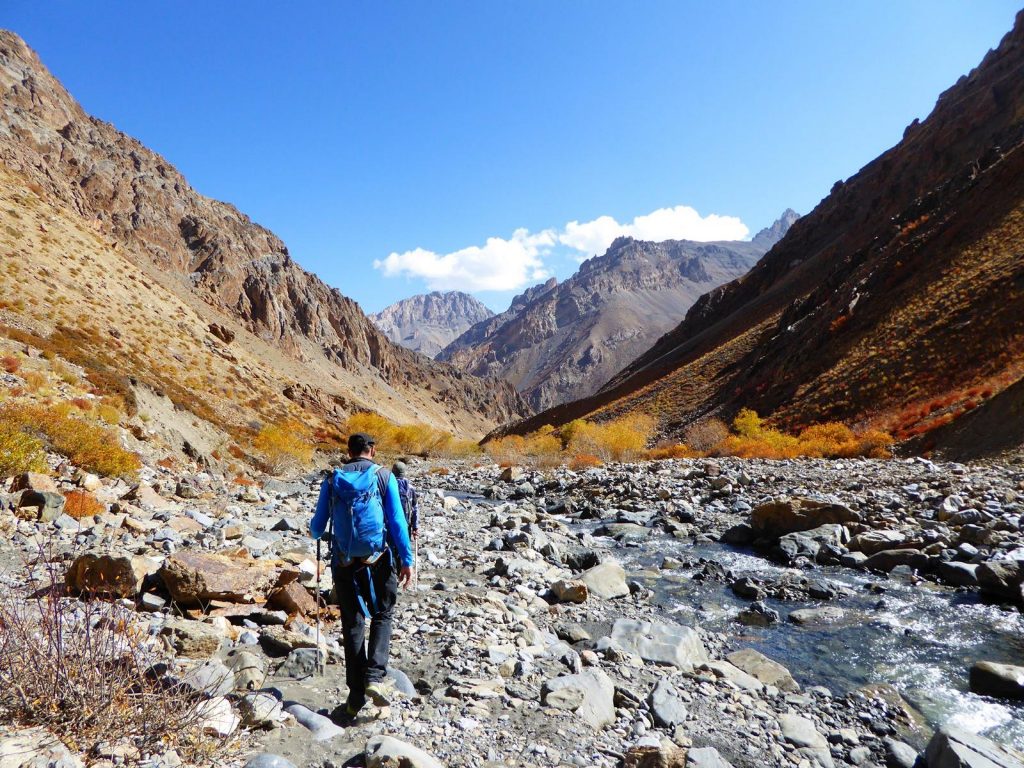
429	322
769	236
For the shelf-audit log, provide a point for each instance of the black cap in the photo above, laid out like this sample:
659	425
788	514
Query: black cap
359	442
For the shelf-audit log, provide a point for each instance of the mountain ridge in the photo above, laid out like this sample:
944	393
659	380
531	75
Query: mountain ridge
211	251
559	341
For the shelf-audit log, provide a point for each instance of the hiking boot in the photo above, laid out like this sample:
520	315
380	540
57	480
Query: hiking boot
379	692
345	714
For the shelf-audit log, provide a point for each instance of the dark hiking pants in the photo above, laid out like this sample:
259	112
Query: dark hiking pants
364	665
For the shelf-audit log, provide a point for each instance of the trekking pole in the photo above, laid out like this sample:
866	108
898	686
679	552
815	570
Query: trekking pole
319	665
416	562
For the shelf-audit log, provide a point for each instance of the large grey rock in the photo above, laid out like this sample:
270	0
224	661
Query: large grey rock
953	748
50	505
660	643
800	732
1002	578
387	751
321	728
706	757
666	706
216	717
259	710
211	678
1003	681
302	663
607	580
762	668
782	516
958	574
590	694
825	615
401	681
899	754
809	543
35	748
888	559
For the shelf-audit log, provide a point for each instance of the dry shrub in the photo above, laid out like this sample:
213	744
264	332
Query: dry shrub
507	450
584	461
108	414
754	440
35	381
86	670
672	451
283	446
84	443
706	434
19	451
10	364
410	439
82	504
828	440
619	440
876	444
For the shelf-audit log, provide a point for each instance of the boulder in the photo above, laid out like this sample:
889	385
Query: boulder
109	574
899	754
45	506
870	542
590	694
654	755
953	748
666	706
33	481
193	578
193	639
660	643
570	591
760	667
292	598
512	474
302	663
801	733
249	669
321	728
825	615
782	516
606	580
216	718
147	498
888	559
387	751
728	671
957	574
1003	681
259	710
211	678
1001	578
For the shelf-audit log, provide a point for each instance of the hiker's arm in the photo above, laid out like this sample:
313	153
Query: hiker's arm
318	525
398	529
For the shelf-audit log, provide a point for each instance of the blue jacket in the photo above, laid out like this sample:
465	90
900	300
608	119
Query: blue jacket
394	518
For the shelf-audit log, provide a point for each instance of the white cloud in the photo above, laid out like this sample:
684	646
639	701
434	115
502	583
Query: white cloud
509	264
679	223
498	265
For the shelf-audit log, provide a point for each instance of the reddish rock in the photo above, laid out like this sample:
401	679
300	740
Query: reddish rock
193	578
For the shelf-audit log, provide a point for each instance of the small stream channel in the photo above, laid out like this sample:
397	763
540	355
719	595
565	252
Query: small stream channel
921	639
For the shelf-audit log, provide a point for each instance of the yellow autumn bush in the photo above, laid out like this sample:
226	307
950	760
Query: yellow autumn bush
283	446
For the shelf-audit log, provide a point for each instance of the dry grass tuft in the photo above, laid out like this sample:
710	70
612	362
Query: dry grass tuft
82	504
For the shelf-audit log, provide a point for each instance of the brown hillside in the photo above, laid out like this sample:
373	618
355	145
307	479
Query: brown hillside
86	201
898	301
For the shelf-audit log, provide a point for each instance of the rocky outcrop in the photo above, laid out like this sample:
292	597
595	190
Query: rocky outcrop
560	342
208	250
429	322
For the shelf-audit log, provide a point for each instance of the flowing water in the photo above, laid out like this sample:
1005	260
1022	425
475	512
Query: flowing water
922	638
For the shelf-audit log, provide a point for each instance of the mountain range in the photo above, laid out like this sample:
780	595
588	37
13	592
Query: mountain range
898	302
562	341
110	253
429	322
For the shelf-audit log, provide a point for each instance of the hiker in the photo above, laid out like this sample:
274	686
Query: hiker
407	494
360	507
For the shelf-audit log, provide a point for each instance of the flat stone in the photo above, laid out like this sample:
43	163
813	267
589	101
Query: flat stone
387	751
888	559
735	675
35	748
292	598
825	615
216	717
953	748
267	760
958	574
211	678
706	757
33	481
801	732
764	669
193	578
590	694
660	643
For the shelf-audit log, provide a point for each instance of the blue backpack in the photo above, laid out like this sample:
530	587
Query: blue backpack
358	514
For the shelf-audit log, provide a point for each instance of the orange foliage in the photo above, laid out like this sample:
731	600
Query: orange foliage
81	504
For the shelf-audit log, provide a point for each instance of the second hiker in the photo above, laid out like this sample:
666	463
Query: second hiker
360	505
407	494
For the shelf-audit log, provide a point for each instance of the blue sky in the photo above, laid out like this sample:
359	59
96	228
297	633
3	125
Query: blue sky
466	137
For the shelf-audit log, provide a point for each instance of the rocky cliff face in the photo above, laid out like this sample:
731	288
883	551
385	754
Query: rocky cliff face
212	251
898	301
562	342
429	322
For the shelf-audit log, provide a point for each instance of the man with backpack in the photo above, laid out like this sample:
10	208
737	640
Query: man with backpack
407	494
359	506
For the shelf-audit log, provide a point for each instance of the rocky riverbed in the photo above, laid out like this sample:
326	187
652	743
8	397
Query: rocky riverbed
675	613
